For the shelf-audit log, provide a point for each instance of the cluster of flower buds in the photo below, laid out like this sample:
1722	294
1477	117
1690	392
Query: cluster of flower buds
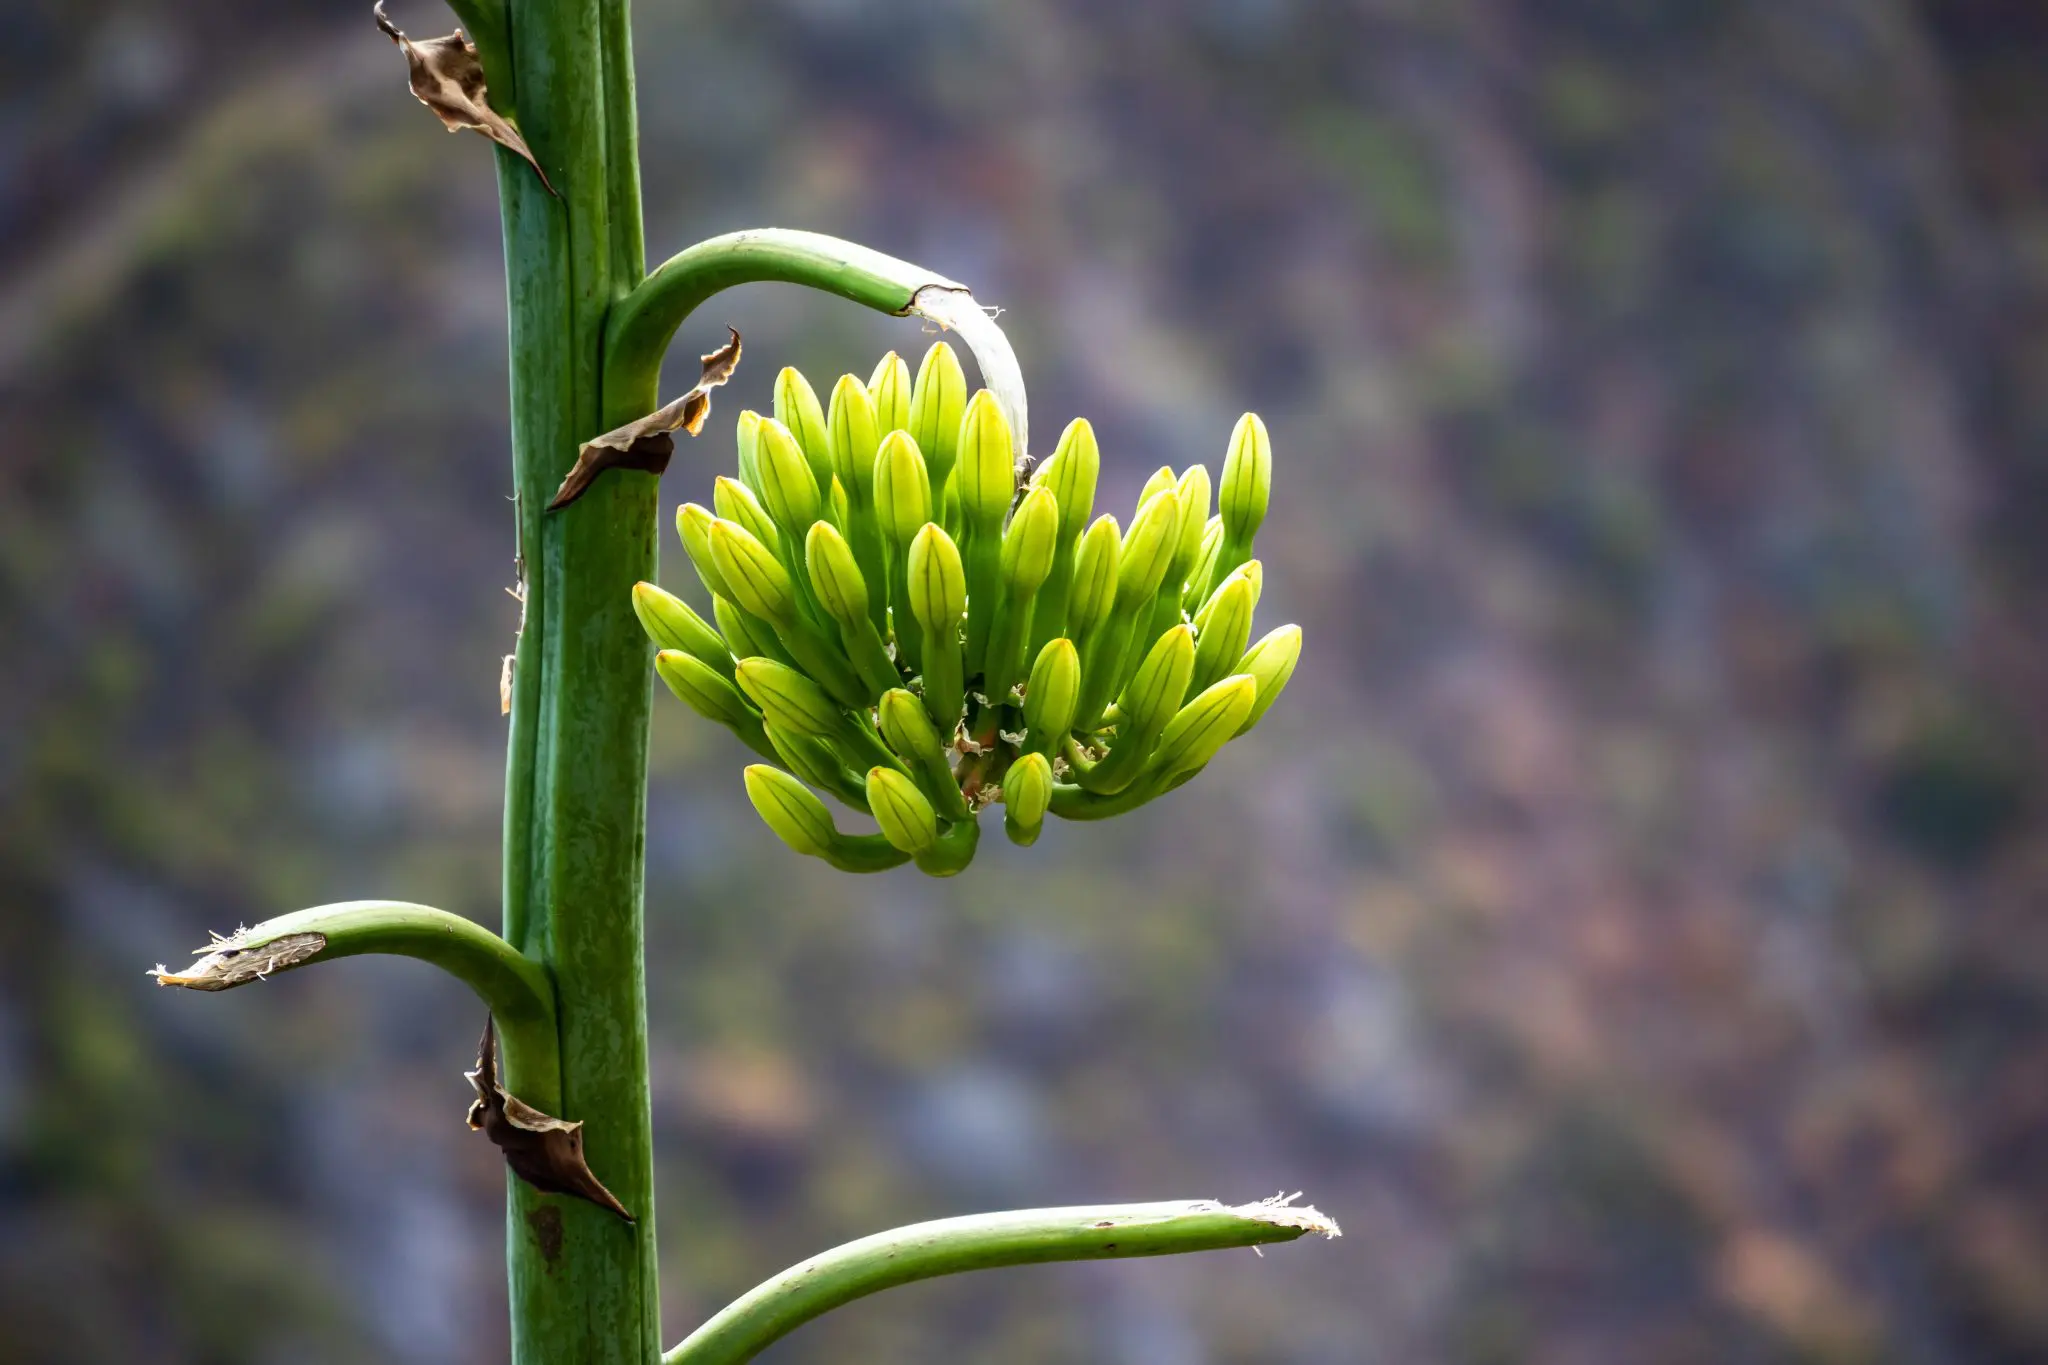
901	624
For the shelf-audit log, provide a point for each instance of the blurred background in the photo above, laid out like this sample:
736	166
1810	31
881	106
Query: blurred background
1631	926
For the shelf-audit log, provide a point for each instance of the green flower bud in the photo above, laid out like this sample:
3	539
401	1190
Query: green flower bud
906	819
1222	629
938	583
789	490
788	698
1096	566
1071	474
1161	681
903	497
749	432
1052	696
1027	792
1148	549
1193	490
1028	544
1271	663
1161	480
703	689
936	403
756	578
1247	479
797	816
842	516
841	590
854	438
671	624
889	388
1204	572
1148	704
909	732
736	503
816	762
1204	726
748	636
796	407
987	471
693	526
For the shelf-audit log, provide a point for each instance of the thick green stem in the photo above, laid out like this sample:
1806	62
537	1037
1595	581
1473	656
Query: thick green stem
770	1311
582	1281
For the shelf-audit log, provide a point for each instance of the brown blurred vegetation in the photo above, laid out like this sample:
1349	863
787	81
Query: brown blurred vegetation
1631	927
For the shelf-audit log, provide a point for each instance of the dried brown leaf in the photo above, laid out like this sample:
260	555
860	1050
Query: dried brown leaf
447	77
646	444
544	1151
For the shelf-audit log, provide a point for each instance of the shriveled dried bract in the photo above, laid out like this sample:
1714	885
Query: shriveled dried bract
229	962
646	444
447	77
544	1151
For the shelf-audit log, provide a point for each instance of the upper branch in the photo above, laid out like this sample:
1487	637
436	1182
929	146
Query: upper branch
642	324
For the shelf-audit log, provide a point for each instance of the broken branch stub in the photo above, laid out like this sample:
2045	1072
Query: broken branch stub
447	77
646	444
544	1151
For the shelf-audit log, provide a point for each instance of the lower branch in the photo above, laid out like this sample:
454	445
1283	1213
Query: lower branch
770	1311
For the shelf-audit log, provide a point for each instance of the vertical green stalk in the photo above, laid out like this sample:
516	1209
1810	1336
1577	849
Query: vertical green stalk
582	1281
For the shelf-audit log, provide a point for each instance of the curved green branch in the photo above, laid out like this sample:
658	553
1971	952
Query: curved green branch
642	324
770	1311
515	988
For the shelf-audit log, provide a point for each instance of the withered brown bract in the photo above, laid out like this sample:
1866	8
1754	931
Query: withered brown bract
446	76
544	1151
645	444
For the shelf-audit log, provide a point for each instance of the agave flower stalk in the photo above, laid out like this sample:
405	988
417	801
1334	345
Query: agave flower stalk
941	623
886	623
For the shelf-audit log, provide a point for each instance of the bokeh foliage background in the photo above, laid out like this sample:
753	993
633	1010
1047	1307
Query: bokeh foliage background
1630	926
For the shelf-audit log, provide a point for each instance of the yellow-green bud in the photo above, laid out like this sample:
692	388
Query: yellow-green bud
1029	543
671	624
987	475
841	590
1247	479
938	582
1271	663
704	689
1161	681
1193	490
854	438
749	432
1204	571
1071	474
789	490
788	698
1204	726
732	624
797	408
906	819
750	569
1161	480
693	525
936	402
797	816
1095	574
736	503
1027	791
907	728
1149	549
903	491
1223	627
1052	695
889	387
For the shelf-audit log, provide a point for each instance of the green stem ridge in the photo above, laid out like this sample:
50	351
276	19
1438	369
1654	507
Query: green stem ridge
770	1311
